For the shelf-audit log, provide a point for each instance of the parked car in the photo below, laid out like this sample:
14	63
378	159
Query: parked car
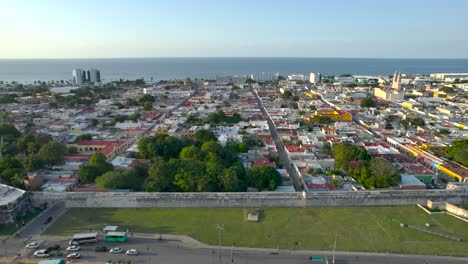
33	245
43	253
132	252
54	247
75	255
100	249
116	250
73	248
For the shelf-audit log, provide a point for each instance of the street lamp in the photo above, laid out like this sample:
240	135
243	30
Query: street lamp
220	228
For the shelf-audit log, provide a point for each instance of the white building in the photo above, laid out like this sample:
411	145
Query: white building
264	77
297	77
448	76
315	77
78	77
81	77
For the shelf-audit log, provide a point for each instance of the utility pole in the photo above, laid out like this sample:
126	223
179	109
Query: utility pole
220	228
334	248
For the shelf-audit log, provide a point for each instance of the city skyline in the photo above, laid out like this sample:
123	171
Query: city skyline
337	29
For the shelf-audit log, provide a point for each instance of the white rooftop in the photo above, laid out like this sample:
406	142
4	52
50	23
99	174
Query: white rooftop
9	194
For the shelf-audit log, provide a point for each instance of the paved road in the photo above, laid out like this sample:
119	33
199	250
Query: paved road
36	226
172	252
279	146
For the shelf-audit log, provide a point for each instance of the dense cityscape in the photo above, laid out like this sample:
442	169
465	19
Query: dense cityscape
299	133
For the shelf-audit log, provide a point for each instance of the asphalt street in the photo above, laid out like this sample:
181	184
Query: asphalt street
173	252
279	146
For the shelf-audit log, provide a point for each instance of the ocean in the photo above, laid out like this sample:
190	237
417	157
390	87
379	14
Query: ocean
29	70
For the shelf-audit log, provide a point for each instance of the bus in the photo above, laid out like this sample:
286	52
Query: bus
84	238
116	237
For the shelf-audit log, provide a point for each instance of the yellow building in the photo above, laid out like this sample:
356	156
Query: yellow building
335	115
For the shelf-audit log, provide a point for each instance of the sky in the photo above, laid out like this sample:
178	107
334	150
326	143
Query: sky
233	28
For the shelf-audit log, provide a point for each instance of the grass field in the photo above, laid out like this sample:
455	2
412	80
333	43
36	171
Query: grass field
373	229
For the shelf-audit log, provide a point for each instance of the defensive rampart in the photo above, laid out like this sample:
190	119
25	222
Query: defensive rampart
261	199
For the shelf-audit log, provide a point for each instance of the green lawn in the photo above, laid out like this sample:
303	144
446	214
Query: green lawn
374	229
10	229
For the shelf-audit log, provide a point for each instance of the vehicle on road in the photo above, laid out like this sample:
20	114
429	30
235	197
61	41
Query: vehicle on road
73	248
83	239
43	253
100	249
75	255
116	237
33	245
54	247
48	220
132	252
116	250
52	261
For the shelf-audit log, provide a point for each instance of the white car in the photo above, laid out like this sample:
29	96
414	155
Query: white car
132	252
43	253
33	245
73	248
116	250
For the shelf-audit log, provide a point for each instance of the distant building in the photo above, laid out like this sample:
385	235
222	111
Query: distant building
396	84
448	77
78	77
264	77
392	95
94	76
297	77
315	77
81	77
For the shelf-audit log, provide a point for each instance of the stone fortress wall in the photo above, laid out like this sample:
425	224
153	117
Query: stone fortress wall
258	199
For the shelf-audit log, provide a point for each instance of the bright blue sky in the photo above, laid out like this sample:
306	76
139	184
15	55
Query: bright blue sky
233	28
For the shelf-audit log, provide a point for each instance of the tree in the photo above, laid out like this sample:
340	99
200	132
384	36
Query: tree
134	117
203	135
384	173
345	152
52	153
12	176
98	160
33	163
88	174
147	98
192	152
161	176
191	177
83	137
367	102
346	75
213	147
111	180
147	106
444	132
458	151
94	122
263	177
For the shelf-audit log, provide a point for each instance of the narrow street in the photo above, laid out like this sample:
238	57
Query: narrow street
281	151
